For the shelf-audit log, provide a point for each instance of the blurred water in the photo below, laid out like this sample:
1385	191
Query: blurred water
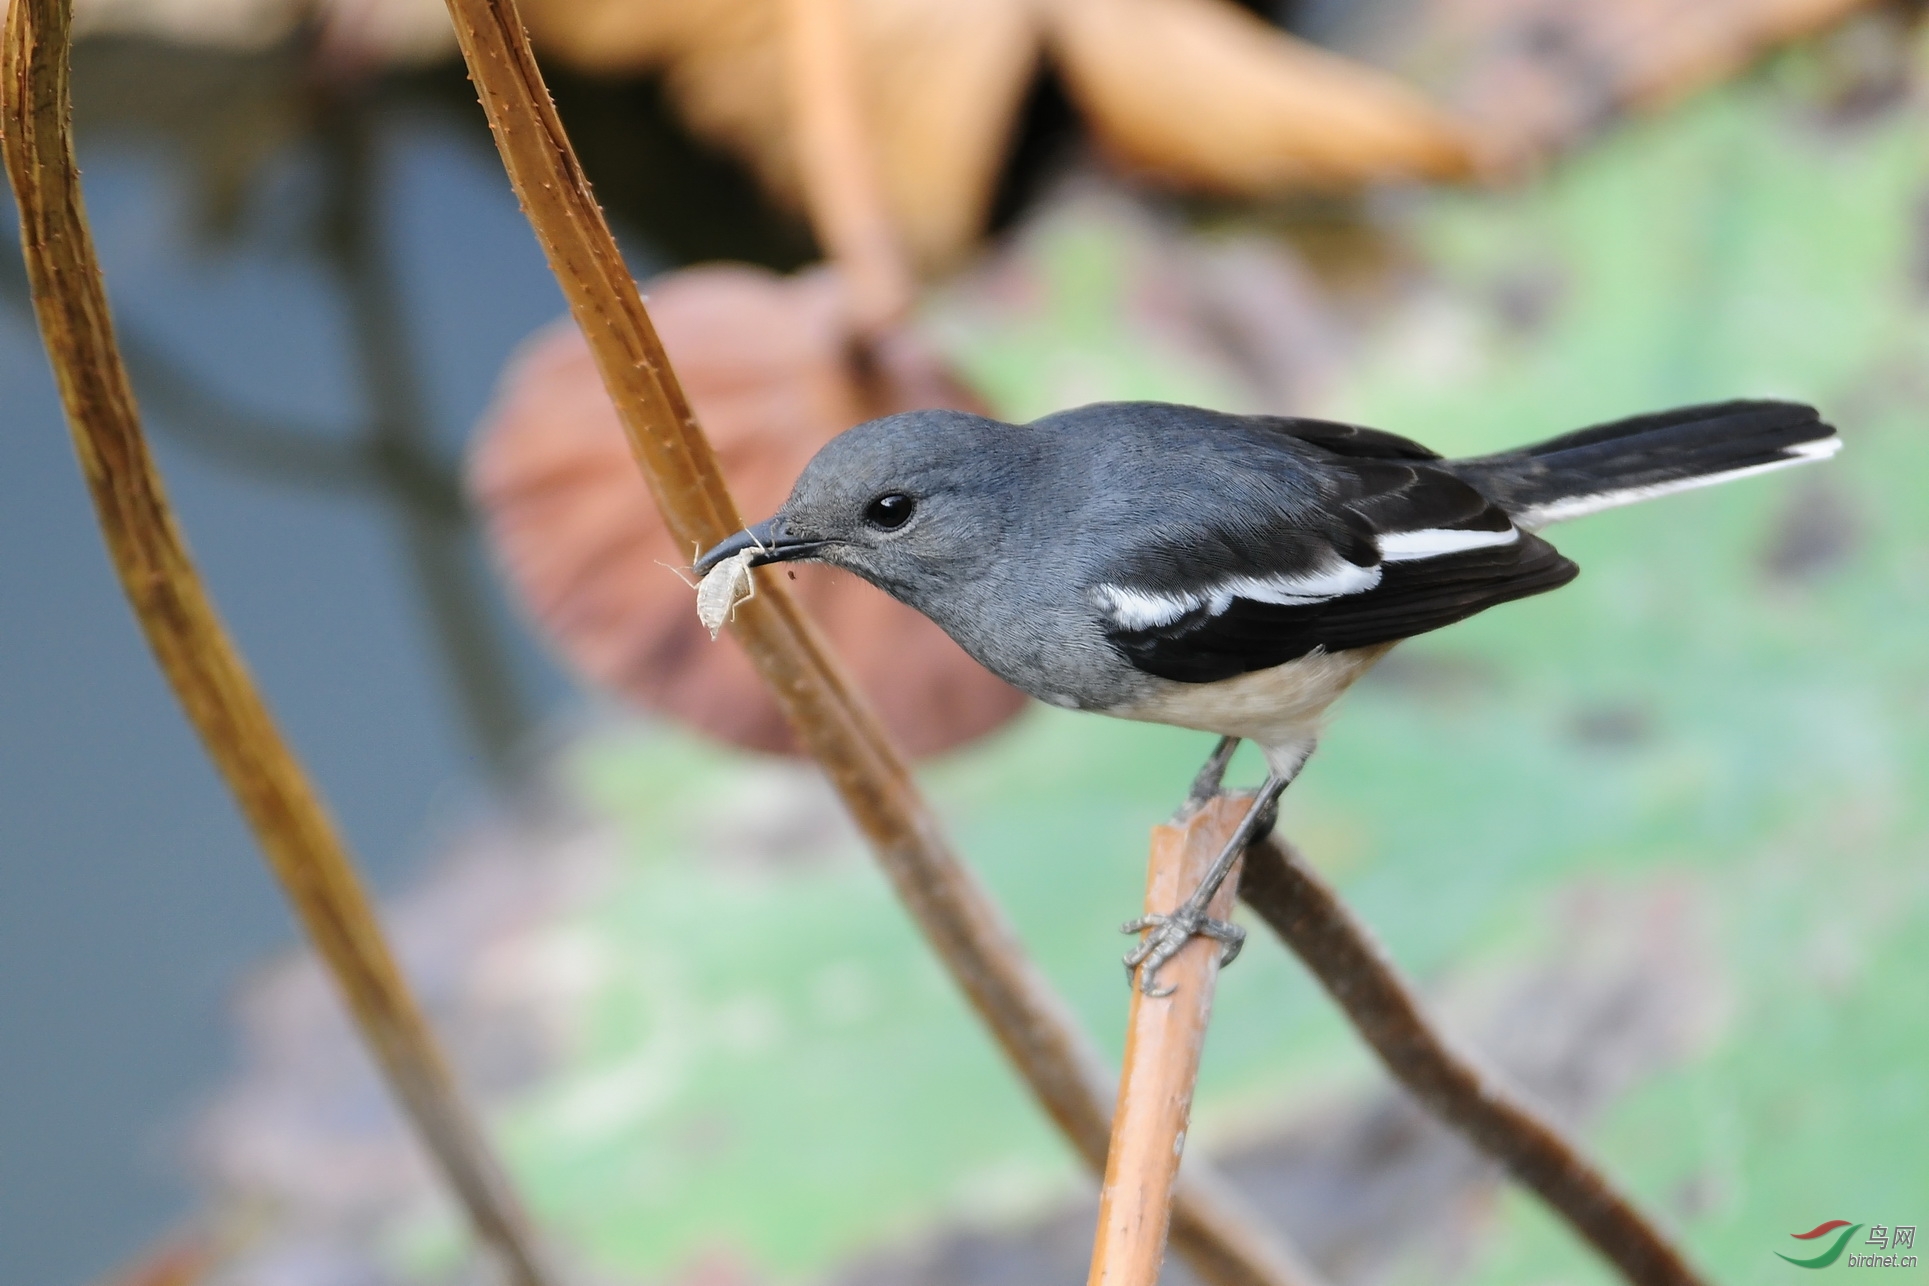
130	895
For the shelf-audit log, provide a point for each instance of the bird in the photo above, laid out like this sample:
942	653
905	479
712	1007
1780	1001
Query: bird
1233	574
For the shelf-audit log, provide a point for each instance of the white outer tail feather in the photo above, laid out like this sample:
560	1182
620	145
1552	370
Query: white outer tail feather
1580	506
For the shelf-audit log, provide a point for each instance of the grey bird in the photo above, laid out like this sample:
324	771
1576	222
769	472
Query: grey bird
1228	573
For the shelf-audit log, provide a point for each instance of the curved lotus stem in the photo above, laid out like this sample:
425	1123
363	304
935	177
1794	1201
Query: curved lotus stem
281	805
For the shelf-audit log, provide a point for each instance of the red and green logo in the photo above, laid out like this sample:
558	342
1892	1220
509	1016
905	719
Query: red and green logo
1833	1253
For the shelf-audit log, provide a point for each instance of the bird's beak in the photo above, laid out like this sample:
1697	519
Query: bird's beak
767	542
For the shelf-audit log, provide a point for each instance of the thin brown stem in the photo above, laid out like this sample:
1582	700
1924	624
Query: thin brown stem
431	515
838	164
1165	1036
958	918
1356	971
281	805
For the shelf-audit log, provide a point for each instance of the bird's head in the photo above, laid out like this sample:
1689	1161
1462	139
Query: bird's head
914	503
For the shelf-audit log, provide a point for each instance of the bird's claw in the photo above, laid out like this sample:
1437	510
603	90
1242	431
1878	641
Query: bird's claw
1169	933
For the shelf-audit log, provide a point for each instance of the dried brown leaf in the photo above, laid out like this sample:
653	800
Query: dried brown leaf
940	86
767	362
1197	91
1201	93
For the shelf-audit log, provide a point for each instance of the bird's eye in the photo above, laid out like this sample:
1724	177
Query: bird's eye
889	511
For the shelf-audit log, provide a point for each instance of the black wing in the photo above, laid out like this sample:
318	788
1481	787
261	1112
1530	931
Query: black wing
1393	548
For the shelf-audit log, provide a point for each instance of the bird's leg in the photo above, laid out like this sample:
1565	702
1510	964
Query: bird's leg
1172	931
1206	784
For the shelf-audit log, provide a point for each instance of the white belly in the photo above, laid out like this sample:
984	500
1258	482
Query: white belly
1281	709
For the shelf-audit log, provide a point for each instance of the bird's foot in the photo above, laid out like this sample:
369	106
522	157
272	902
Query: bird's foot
1169	933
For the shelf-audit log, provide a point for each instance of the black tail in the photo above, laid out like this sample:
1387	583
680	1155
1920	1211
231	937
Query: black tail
1648	455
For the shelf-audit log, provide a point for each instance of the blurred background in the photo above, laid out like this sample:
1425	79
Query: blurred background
1653	843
